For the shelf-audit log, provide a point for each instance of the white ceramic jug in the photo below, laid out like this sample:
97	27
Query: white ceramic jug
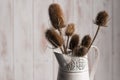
75	68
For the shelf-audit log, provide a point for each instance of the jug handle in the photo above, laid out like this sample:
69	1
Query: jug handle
94	67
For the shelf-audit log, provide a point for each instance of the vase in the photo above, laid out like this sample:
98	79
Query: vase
76	68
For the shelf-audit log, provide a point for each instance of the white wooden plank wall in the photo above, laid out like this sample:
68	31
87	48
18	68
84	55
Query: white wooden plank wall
23	40
43	60
6	40
24	51
116	40
104	41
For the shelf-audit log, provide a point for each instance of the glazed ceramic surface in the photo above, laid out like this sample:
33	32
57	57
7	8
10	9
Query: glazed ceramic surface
75	68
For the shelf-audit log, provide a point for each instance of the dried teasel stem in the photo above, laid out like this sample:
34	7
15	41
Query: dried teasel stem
69	31
101	20
68	37
60	31
94	37
65	50
61	49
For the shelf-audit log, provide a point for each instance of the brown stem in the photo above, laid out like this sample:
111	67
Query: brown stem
94	37
57	45
65	51
61	49
60	31
67	41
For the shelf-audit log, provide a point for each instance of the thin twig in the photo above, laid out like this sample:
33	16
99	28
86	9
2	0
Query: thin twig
65	51
61	49
94	37
67	41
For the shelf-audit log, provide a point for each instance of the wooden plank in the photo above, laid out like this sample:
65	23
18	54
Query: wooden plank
43	56
104	41
23	40
116	39
6	40
83	17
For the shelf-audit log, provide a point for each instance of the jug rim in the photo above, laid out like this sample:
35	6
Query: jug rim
72	56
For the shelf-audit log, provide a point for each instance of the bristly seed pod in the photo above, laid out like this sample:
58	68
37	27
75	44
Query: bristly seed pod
74	41
56	16
54	38
70	29
75	51
102	18
80	52
86	41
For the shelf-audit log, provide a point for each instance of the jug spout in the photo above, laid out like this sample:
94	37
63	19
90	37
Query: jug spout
62	59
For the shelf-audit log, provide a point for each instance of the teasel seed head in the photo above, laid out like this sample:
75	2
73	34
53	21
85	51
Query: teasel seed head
54	38
74	41
102	18
56	16
81	51
86	41
70	29
75	51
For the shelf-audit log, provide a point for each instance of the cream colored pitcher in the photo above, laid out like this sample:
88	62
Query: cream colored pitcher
75	68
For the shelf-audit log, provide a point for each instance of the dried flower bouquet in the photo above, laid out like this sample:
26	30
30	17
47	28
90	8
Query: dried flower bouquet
55	34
